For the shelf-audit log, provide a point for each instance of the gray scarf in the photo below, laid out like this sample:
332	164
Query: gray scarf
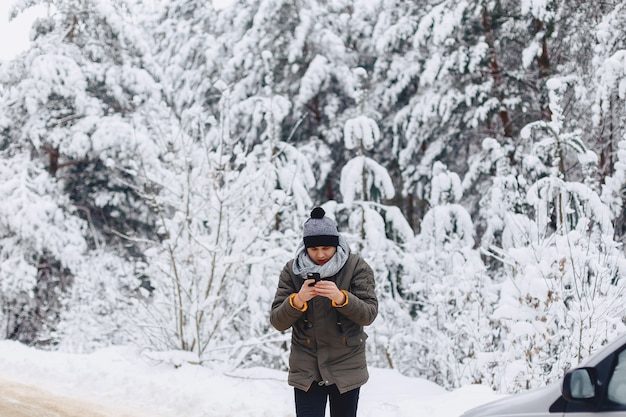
303	264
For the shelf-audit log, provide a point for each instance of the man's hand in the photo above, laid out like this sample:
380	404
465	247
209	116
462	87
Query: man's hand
305	294
329	290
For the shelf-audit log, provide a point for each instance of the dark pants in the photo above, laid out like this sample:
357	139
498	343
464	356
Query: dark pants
312	403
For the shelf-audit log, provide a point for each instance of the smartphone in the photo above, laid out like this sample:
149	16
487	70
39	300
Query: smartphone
315	276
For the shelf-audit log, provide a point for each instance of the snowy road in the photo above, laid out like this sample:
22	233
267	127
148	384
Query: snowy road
120	381
18	400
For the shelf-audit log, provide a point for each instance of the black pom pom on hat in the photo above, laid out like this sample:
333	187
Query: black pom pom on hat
320	230
318	213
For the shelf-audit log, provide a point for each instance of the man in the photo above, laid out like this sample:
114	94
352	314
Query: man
326	315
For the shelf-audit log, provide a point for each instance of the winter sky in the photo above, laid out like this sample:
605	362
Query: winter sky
14	34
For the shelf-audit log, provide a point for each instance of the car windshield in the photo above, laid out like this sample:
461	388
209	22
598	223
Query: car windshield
617	384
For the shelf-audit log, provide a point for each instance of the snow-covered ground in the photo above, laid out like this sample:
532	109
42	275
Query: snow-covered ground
121	376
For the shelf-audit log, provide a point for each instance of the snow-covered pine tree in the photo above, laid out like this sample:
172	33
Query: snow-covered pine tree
609	112
479	81
227	208
560	299
42	245
372	227
452	292
459	92
76	102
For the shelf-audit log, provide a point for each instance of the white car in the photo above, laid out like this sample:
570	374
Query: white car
597	387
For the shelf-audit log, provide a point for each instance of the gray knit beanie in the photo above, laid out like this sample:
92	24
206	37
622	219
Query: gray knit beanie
320	230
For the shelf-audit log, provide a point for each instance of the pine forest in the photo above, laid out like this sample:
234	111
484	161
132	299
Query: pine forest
159	157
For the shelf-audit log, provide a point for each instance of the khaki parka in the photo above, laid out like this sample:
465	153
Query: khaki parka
328	343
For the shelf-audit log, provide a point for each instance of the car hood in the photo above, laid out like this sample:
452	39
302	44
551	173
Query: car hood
534	402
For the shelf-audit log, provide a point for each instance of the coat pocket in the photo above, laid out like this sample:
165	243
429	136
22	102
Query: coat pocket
356	340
